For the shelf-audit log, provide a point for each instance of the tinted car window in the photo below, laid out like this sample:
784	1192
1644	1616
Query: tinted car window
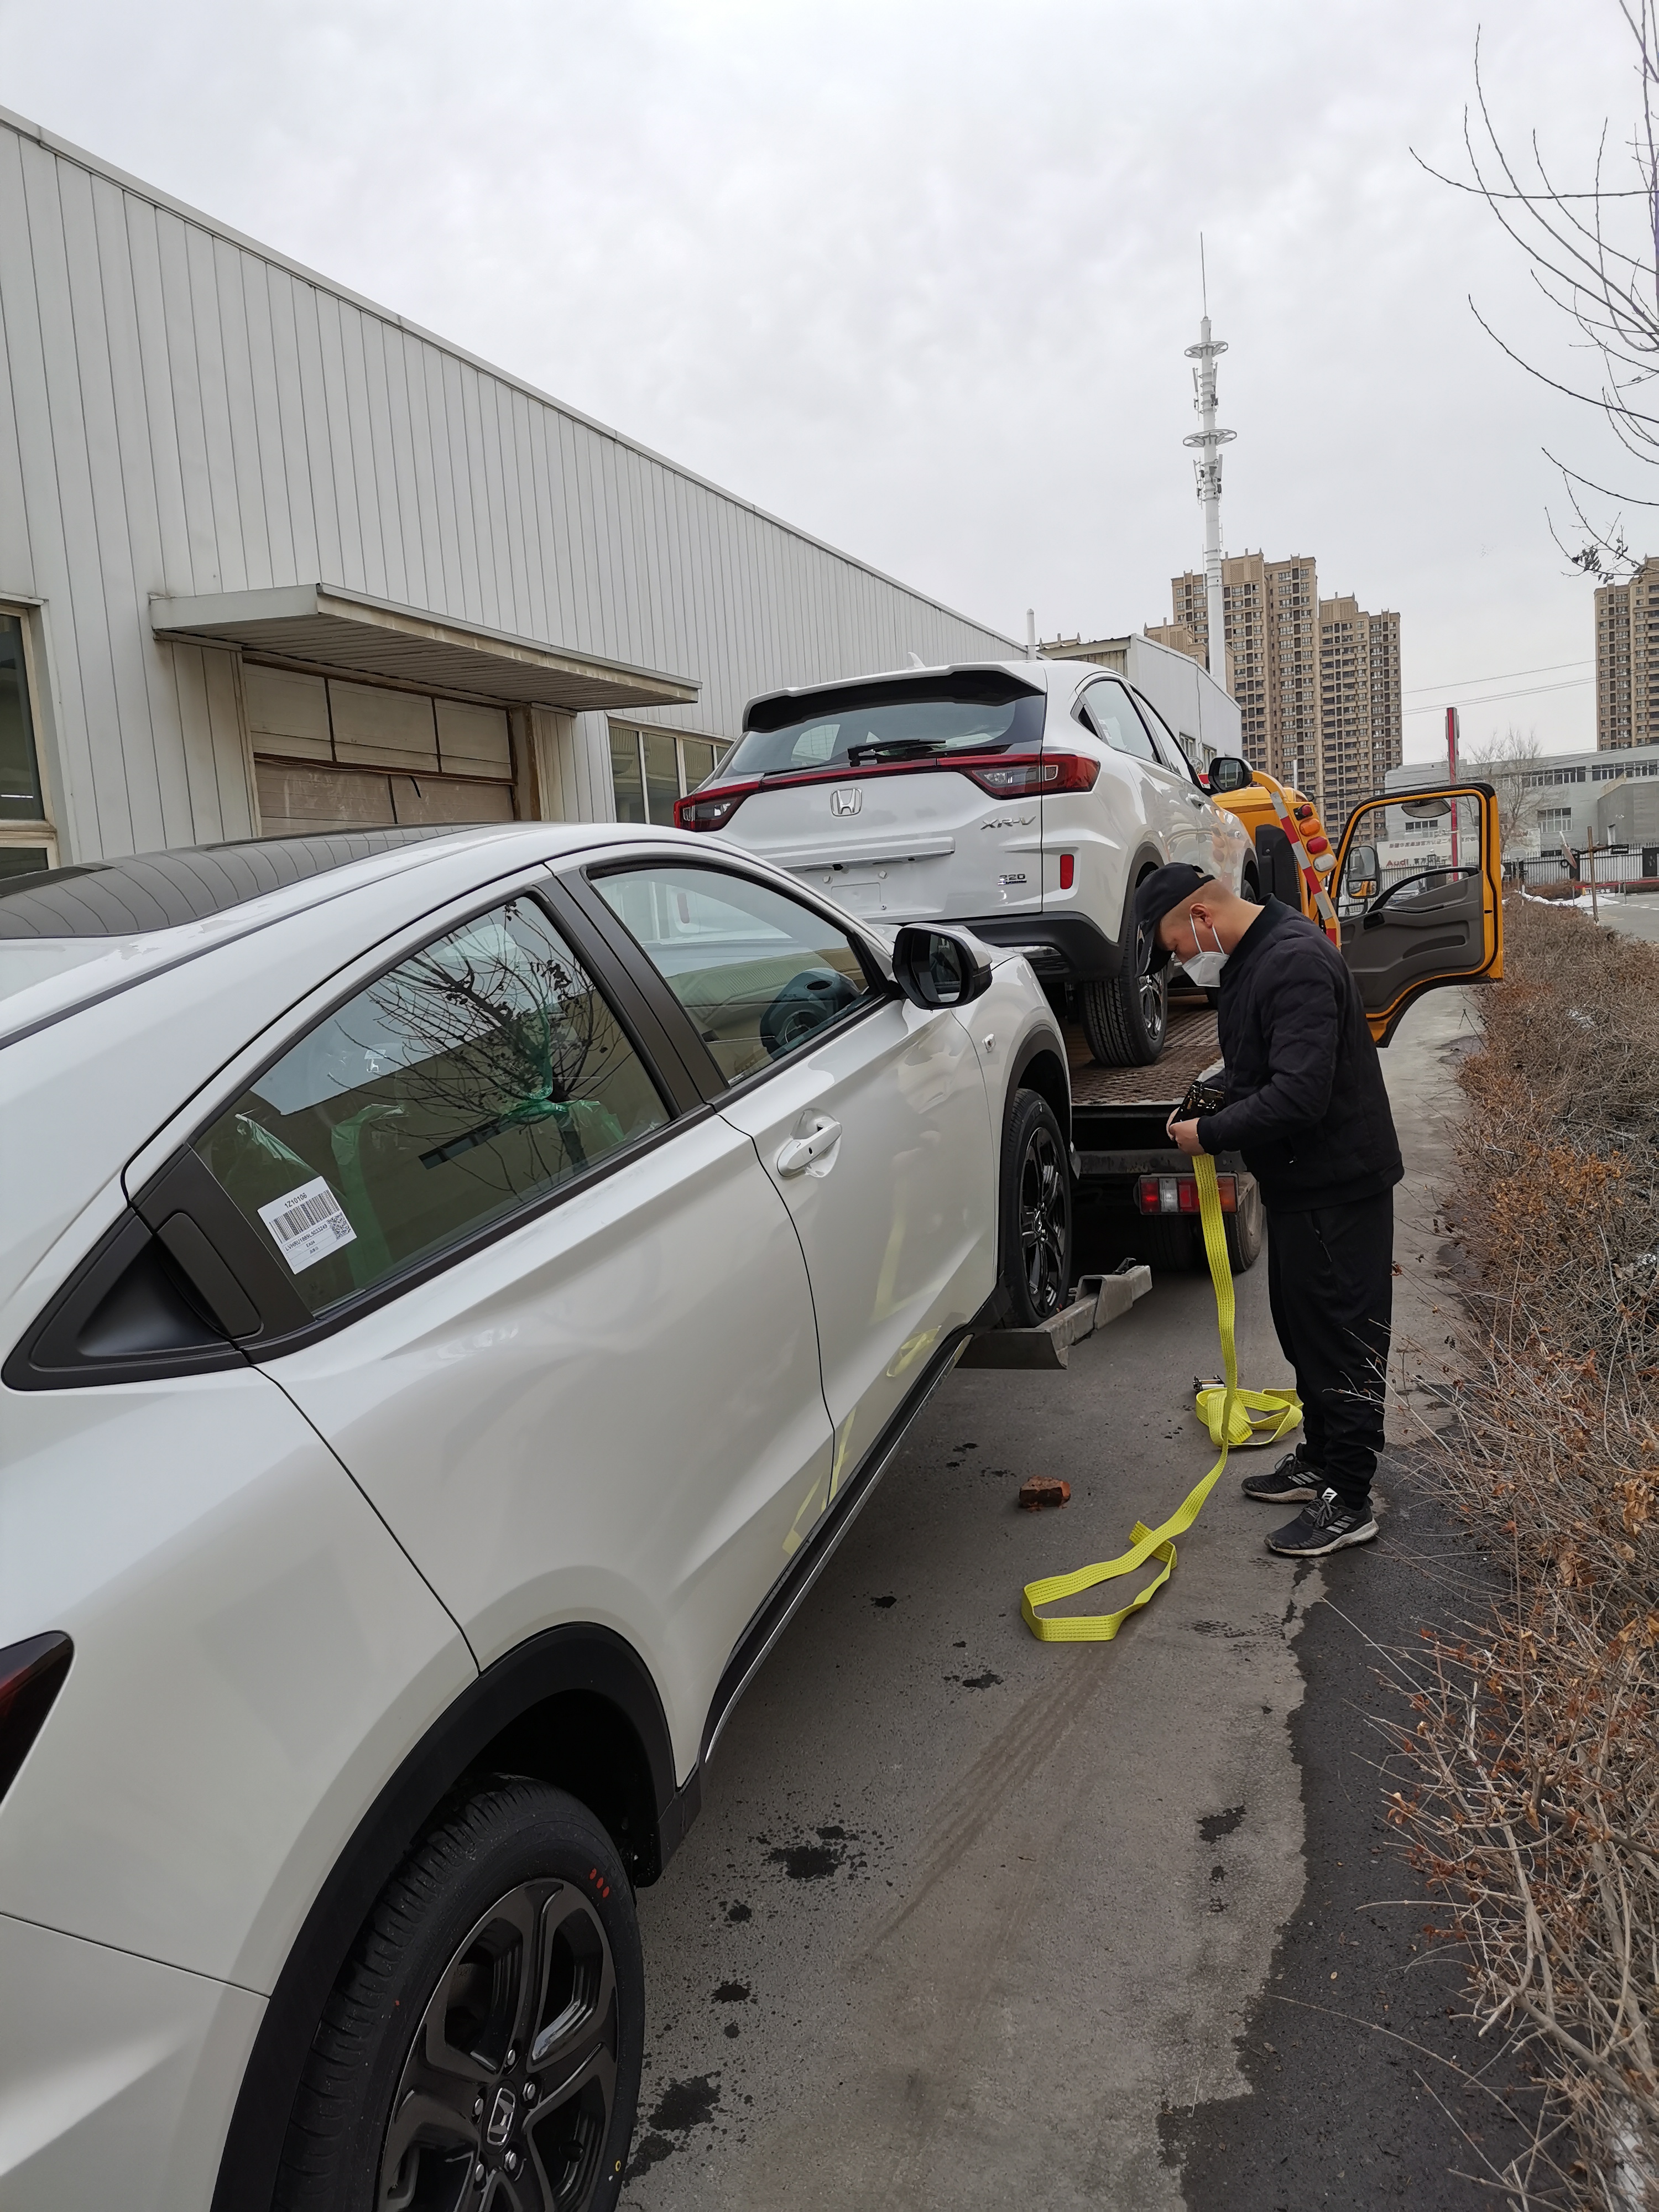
1165	743
902	718
473	1078
1112	712
757	973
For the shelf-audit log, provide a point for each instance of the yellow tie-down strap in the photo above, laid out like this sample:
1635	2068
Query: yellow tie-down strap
1232	1416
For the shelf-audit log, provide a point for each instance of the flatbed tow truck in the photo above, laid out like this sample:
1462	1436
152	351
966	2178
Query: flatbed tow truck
1133	1183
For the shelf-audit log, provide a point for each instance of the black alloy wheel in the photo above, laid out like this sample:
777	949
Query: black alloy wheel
481	2052
489	2102
1037	1223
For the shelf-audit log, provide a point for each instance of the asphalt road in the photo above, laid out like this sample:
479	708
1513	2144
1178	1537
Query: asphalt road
970	1921
1636	917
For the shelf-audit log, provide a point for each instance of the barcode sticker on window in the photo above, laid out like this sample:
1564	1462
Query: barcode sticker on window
307	1224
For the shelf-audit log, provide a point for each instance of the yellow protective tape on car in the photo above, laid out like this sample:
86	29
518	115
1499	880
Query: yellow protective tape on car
1233	1417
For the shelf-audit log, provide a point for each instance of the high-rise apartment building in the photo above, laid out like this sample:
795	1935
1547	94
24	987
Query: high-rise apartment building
1270	608
1628	660
1361	731
1317	681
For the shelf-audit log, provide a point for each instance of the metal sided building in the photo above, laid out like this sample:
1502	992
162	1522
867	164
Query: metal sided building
272	560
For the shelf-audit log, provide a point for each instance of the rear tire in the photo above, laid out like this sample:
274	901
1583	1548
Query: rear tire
1125	1019
1169	1248
491	2014
1246	1227
1037	1212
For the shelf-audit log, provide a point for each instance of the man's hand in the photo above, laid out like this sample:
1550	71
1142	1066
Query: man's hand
1185	1134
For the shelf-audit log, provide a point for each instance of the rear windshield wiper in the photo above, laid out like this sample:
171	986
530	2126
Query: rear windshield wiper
892	748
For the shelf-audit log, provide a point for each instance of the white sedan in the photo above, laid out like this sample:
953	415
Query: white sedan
456	1289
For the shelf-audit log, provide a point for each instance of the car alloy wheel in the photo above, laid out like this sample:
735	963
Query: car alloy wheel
1045	1206
506	2098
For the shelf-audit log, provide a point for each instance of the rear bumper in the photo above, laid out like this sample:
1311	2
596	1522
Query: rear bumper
1066	947
117	2074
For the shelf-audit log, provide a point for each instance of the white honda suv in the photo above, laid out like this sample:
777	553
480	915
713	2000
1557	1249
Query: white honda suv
1024	800
455	1288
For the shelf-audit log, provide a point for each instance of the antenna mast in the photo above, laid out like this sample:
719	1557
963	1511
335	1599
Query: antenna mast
1209	441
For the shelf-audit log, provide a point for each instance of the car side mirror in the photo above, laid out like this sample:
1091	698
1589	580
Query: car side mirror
1229	773
939	966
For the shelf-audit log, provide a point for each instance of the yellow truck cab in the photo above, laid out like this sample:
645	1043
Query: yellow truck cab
1293	854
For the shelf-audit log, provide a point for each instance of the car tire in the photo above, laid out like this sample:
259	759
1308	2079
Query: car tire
1126	1018
1246	1228
1037	1213
1173	1246
508	1929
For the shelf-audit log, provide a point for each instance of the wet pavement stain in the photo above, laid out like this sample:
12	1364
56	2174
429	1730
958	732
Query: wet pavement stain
731	1993
1215	1826
682	2106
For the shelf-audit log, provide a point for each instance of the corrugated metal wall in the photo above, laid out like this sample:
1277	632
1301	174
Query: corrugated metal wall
183	413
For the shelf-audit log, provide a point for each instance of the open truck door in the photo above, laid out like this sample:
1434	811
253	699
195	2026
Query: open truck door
1420	899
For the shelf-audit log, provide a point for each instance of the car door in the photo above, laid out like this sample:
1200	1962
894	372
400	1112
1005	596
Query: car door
1194	824
554	1318
869	1115
1420	897
1112	714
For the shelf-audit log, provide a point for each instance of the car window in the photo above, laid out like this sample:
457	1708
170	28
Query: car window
473	1078
1112	712
757	972
1164	741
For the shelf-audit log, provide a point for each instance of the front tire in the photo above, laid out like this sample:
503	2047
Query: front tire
1037	1223
490	2018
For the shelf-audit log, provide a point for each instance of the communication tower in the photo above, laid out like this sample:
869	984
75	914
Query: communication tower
1209	440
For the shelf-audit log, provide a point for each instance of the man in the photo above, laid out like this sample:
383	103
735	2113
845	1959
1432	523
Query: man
1307	1108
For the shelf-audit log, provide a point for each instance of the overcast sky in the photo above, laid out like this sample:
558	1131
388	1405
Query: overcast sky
916	275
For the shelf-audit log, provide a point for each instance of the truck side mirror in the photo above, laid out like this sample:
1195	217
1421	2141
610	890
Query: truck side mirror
939	966
1229	773
1360	879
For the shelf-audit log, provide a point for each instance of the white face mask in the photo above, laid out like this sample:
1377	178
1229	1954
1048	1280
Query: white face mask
1203	969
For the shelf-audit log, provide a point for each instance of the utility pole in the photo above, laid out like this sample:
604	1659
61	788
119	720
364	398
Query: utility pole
1209	440
1452	733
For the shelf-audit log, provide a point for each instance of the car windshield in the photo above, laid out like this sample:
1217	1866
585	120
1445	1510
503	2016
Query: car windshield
859	725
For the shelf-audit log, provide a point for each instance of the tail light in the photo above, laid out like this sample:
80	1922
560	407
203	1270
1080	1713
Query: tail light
1317	844
31	1675
1179	1193
1067	871
1030	773
711	809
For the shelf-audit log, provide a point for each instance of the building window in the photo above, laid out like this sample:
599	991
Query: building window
651	768
27	840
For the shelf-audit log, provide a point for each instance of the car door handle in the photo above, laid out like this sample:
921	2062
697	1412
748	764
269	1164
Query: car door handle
798	1154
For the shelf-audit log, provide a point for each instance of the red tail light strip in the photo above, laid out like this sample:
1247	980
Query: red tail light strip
31	1675
1005	775
1179	1193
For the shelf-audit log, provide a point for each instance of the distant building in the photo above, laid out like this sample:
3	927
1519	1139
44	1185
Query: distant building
1628	660
1317	681
1553	802
1271	613
1361	733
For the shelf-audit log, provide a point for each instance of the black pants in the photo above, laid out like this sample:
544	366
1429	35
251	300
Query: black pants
1330	1280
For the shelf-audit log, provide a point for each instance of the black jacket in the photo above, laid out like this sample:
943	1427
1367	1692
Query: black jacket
1306	1104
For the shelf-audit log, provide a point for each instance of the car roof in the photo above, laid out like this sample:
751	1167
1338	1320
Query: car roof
78	934
146	891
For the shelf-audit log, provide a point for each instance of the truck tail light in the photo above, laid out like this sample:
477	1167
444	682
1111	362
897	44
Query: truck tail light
31	1675
1023	775
1176	1193
1067	871
711	809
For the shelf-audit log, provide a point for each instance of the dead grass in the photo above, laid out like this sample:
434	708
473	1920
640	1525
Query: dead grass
1535	1741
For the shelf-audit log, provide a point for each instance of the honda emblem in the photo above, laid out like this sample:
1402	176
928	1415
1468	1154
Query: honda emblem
847	800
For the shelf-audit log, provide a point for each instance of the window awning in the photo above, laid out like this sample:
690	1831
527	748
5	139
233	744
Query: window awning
340	632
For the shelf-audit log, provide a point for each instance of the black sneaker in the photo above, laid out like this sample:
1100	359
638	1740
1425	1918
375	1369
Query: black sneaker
1325	1526
1294	1478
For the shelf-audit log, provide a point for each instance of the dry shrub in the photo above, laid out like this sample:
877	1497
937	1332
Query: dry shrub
1535	1813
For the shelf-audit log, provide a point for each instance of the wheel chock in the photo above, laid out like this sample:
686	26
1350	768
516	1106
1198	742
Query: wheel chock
1100	1299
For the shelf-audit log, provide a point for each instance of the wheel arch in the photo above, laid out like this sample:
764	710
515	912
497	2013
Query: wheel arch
1041	1066
574	1706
